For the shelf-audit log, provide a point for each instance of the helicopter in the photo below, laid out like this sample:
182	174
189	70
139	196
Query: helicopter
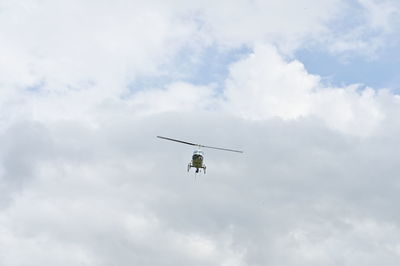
198	155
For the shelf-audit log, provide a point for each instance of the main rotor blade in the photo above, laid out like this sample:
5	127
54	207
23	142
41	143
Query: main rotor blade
180	141
222	149
199	145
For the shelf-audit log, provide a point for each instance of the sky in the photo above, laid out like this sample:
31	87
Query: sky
308	89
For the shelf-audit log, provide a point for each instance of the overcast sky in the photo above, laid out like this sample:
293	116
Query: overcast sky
308	89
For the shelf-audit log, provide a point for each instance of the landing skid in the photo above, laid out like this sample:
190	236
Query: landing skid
198	169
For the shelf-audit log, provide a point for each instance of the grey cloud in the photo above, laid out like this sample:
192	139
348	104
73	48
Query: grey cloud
299	193
24	145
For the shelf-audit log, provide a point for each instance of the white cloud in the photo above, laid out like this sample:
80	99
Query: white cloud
264	86
178	96
67	45
75	45
249	21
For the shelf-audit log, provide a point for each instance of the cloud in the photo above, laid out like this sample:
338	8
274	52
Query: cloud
72	45
300	193
84	181
247	21
367	31
264	85
83	45
177	96
381	15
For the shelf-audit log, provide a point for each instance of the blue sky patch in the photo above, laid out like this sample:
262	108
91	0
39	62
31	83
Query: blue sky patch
380	72
35	87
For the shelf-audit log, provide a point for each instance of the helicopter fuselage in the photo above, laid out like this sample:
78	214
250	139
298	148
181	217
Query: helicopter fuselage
197	161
